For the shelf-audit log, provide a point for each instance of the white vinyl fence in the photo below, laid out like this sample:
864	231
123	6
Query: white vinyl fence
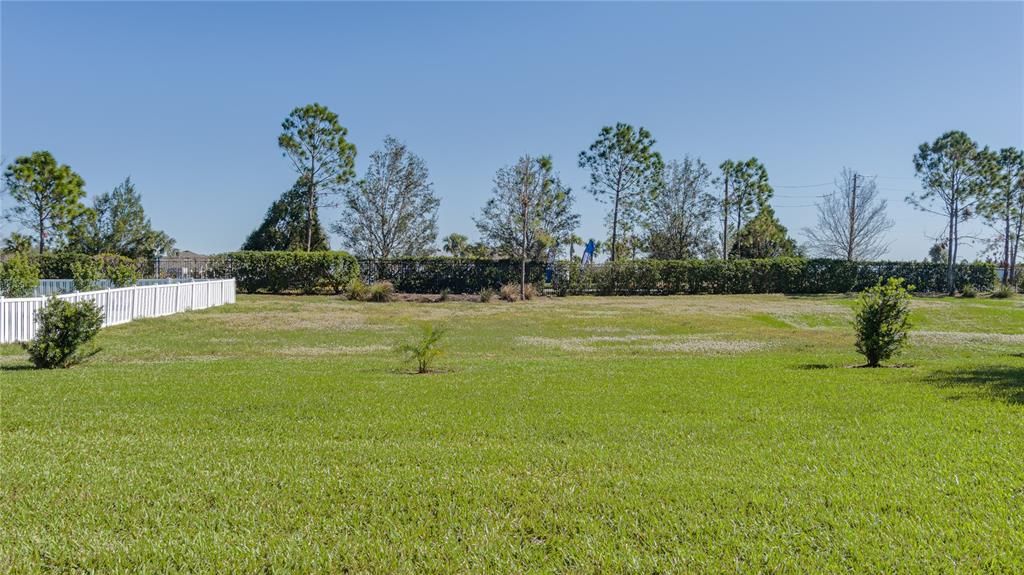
47	288
121	305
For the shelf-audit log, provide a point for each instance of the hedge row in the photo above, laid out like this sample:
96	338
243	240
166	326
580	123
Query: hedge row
63	265
783	275
457	275
276	272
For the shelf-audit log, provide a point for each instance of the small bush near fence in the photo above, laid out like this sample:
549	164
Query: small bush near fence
277	272
783	275
64	329
18	277
457	275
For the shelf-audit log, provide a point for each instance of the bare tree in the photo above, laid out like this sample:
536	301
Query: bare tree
392	211
852	221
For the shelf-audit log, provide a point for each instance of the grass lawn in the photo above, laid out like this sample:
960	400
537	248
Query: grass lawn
672	434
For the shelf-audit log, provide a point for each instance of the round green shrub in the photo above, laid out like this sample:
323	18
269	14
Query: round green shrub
64	329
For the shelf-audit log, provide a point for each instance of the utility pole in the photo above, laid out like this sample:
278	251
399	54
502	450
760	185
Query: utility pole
853	221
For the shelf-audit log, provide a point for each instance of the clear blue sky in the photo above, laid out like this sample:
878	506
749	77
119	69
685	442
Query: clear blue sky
188	98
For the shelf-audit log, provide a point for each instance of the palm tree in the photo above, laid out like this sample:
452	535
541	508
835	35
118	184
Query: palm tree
455	245
573	239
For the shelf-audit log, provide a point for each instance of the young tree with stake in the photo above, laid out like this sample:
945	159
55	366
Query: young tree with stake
530	210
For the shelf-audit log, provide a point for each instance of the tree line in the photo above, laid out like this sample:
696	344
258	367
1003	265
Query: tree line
675	209
47	198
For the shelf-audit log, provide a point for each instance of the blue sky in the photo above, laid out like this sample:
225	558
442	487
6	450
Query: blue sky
188	98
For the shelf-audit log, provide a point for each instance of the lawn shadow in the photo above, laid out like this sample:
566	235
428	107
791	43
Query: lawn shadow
814	366
17	367
995	382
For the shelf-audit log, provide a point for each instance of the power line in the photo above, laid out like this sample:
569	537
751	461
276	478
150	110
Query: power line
806	186
793	196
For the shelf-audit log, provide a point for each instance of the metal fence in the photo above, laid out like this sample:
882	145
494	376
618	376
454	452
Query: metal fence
121	305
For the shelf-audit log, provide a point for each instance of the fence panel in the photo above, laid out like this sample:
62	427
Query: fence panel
121	305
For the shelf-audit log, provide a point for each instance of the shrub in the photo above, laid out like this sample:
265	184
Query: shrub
509	292
426	348
779	275
357	290
883	320
1003	291
457	275
58	265
64	329
530	291
382	292
969	292
486	295
444	295
120	270
18	277
276	272
85	273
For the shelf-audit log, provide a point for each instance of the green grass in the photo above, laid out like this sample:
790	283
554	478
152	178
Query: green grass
676	434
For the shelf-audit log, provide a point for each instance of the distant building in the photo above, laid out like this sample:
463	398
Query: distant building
183	264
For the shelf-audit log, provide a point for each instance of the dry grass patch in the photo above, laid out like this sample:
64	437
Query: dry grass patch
695	344
313	351
959	337
327	319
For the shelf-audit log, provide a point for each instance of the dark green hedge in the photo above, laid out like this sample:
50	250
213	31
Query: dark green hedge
276	272
457	275
782	275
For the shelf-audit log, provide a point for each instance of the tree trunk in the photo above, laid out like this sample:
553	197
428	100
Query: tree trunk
853	222
42	234
1014	251
950	255
1006	246
522	279
615	223
725	220
311	205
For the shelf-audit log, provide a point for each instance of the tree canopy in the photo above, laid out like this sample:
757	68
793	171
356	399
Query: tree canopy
530	211
679	222
117	224
954	173
284	226
625	170
47	196
314	140
392	211
764	237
